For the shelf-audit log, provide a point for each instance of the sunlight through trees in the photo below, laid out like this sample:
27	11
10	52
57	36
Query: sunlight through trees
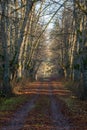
34	31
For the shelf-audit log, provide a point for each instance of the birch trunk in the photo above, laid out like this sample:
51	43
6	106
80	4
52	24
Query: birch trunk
29	5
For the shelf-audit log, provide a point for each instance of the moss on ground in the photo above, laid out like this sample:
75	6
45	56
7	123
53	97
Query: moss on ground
7	104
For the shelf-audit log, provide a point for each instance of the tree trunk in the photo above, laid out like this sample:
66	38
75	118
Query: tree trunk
6	73
84	76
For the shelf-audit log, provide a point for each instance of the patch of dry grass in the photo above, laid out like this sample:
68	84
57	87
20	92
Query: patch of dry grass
77	107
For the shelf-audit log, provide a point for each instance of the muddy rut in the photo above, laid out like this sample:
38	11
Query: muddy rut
59	121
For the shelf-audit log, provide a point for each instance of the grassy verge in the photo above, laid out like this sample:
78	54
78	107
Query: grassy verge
9	105
76	87
77	107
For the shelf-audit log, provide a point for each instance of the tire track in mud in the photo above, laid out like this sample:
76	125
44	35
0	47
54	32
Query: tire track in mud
59	121
19	117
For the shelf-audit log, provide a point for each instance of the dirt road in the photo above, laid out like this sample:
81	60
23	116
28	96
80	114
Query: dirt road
43	111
